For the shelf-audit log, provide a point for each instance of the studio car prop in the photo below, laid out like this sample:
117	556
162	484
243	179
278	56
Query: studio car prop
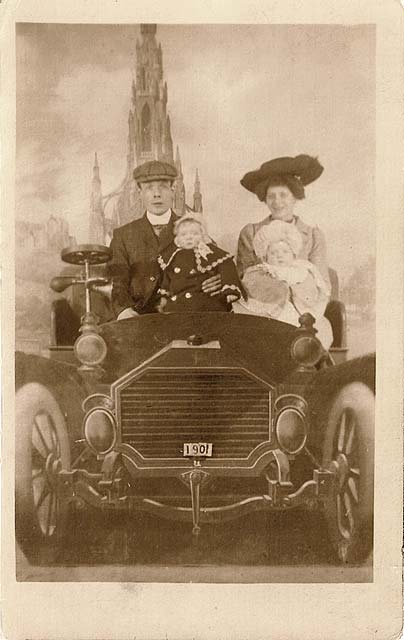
199	417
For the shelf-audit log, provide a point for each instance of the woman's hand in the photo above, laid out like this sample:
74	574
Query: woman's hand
212	285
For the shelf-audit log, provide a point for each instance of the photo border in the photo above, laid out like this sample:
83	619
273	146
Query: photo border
145	610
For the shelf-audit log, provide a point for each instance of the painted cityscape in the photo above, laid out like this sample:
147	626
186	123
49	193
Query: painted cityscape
150	122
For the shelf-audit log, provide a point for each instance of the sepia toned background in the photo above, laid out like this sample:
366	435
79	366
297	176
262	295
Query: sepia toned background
237	95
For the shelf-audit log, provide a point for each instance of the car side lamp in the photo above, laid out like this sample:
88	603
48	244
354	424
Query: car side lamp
306	349
90	348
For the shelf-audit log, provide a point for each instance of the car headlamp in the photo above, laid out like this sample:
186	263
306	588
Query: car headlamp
90	349
291	430
307	350
99	430
97	401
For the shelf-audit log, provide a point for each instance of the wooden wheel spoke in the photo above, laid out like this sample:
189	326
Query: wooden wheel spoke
350	441
38	460
39	443
354	472
53	438
341	433
342	517
55	442
45	424
42	496
37	473
51	510
339	513
41	421
353	489
348	512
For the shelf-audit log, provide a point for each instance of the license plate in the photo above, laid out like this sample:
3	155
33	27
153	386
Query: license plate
197	449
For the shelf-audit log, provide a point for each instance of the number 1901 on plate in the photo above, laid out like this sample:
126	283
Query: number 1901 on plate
197	449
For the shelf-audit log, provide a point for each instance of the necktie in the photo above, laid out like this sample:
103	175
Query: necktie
158	228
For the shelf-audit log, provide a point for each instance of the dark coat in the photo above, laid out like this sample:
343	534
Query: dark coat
184	271
134	269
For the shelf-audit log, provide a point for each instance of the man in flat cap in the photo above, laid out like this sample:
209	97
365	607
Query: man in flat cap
136	245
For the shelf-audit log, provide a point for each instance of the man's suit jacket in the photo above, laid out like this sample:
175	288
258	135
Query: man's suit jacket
134	268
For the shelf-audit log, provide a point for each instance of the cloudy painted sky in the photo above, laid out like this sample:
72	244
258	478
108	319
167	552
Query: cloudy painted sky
238	95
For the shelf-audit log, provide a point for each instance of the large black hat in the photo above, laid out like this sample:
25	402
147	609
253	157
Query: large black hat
295	173
154	170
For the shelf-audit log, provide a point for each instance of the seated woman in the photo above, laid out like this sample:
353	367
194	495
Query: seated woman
185	265
280	184
283	286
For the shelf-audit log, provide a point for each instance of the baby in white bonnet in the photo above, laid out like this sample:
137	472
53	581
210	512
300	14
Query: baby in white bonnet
283	286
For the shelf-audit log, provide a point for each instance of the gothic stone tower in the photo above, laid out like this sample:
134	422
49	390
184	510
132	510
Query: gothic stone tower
197	194
179	196
97	221
149	136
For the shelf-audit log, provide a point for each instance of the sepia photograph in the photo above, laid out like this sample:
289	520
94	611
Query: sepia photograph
195	308
205	275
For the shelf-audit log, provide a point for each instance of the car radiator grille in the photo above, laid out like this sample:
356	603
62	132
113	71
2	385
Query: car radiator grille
162	409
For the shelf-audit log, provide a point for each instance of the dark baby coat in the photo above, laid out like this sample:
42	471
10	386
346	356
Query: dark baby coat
184	270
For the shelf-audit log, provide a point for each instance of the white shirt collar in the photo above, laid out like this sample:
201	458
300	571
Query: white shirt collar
293	221
163	219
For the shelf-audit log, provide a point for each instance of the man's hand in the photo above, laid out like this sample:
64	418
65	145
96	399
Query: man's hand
212	285
127	313
161	305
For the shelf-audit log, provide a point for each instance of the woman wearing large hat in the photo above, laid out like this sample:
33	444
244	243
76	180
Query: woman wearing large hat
280	183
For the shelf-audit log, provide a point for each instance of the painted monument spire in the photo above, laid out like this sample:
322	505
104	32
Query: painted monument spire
179	193
97	222
149	133
197	194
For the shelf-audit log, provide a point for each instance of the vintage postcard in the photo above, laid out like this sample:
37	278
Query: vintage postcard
202	345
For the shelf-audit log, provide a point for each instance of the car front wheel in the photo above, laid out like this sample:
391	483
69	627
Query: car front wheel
42	450
348	451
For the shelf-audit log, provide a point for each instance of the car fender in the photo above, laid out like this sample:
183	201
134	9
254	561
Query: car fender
61	379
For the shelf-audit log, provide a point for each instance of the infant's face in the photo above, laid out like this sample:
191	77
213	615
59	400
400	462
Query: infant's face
280	254
189	235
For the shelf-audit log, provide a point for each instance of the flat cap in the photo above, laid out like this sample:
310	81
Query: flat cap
302	168
154	170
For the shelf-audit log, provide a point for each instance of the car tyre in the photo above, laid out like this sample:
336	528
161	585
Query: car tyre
348	451
42	450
